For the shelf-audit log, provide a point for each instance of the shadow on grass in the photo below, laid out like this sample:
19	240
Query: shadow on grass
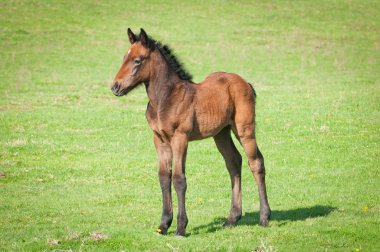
252	218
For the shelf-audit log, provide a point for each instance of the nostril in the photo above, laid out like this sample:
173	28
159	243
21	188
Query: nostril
115	87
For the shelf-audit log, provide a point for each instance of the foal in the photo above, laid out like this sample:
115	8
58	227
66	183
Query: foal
180	111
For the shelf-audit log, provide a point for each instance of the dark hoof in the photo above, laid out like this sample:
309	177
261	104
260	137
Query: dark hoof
264	223
160	231
180	233
264	219
232	221
229	224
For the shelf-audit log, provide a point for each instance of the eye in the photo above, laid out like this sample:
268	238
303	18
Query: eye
137	61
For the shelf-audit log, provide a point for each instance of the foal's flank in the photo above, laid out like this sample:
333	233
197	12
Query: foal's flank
180	111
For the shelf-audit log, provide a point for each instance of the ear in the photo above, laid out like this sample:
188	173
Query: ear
144	39
132	36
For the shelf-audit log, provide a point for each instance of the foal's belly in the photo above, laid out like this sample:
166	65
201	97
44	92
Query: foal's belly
202	131
211	116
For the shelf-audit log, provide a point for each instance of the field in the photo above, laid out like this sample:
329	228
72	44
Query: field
78	169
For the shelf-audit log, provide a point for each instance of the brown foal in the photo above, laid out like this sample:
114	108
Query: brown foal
180	111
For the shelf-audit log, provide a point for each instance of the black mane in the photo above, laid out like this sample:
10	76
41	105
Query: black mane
173	61
170	58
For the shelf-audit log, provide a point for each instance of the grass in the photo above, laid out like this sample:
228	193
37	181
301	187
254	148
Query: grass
78	167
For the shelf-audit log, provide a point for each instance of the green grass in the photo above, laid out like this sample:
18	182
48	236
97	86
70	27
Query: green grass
78	160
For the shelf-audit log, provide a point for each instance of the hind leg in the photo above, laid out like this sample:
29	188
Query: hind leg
232	158
246	135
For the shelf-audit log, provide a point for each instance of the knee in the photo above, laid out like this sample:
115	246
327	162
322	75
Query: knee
165	179
164	173
179	181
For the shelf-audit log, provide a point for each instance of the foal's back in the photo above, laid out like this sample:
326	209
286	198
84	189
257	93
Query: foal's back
218	100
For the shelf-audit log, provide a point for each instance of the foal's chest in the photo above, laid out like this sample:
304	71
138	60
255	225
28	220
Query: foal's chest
162	128
166	122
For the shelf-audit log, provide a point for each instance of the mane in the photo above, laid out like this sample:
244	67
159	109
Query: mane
171	59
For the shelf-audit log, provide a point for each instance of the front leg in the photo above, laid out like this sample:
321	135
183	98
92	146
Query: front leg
164	153
179	148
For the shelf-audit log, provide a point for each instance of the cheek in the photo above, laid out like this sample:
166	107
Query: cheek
139	71
144	71
135	69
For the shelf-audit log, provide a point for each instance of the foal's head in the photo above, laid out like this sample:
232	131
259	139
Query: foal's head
135	68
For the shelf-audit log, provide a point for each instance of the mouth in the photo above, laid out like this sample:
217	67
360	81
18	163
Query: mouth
118	91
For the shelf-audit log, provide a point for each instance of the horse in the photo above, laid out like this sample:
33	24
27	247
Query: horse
180	111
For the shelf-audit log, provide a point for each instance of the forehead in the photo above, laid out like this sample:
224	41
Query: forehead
136	50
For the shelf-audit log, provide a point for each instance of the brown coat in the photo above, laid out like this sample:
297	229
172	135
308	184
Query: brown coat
180	111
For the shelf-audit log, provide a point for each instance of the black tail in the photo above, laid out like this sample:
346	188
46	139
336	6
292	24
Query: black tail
254	92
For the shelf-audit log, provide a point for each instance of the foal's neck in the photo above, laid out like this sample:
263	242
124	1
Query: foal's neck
162	81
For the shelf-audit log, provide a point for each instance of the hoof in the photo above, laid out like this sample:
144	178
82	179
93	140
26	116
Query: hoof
176	236
232	221
157	233
229	224
264	223
160	231
180	234
264	218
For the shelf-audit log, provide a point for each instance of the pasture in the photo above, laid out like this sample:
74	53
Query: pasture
78	169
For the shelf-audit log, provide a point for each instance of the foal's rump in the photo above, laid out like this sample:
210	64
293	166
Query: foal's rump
220	100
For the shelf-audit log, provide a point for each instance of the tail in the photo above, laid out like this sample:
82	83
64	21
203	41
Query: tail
254	92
